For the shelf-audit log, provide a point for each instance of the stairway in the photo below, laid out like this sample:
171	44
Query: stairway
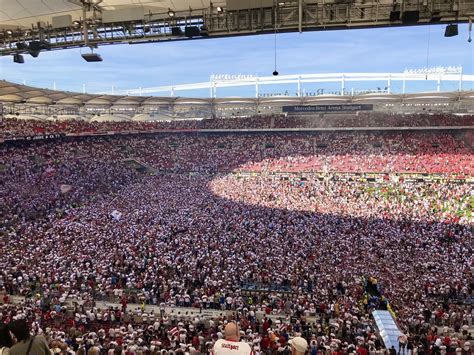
139	166
388	329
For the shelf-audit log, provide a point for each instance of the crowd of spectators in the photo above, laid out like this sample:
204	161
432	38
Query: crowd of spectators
223	212
16	127
374	120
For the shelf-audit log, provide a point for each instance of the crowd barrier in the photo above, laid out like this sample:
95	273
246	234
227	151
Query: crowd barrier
173	312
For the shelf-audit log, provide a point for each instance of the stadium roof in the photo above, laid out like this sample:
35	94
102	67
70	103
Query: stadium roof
17	93
24	13
34	25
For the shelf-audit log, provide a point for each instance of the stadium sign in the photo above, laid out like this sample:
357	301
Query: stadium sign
231	77
435	70
320	92
327	108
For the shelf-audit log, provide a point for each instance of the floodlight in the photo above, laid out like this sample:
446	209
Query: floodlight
171	13
219	9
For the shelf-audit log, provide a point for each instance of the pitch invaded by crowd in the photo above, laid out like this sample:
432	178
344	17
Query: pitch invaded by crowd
228	222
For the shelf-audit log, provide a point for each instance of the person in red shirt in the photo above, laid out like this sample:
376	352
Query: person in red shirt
282	340
447	341
124	303
265	343
362	350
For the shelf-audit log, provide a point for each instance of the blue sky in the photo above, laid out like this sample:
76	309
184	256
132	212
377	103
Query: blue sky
146	65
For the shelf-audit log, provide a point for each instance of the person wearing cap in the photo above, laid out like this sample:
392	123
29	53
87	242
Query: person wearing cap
299	345
231	344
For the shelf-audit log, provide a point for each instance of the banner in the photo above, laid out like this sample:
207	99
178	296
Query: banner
116	215
35	138
327	108
65	188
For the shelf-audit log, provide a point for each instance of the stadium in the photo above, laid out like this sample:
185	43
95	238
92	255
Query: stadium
288	211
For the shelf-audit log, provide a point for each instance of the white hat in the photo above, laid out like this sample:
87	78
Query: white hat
299	343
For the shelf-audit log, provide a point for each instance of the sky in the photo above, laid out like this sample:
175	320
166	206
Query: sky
179	62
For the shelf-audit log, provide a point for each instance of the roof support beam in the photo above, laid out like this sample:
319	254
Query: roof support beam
300	16
294	16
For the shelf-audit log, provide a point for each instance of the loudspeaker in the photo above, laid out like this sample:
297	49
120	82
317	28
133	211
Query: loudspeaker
411	16
91	57
451	31
394	16
38	45
21	45
192	31
18	58
176	31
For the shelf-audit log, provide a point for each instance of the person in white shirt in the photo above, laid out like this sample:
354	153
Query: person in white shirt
231	344
402	343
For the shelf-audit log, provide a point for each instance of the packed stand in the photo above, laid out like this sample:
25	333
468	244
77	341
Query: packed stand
14	127
374	120
80	226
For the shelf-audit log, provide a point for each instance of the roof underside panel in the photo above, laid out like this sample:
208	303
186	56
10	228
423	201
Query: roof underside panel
24	13
10	92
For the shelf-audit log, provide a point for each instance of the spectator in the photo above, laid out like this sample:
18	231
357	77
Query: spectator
6	341
299	346
25	343
231	344
300	236
402	343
